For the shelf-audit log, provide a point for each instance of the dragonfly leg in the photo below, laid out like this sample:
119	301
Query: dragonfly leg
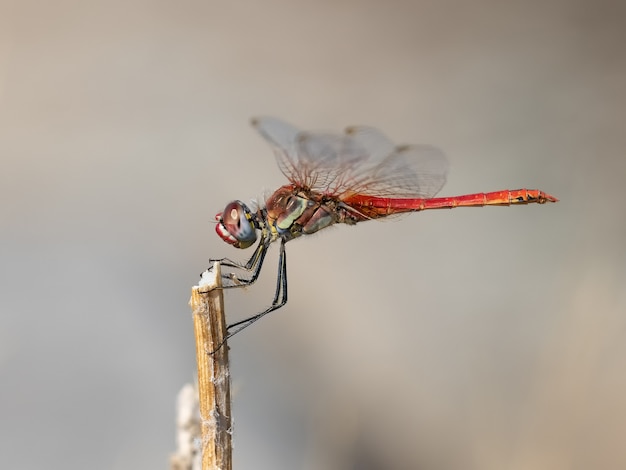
280	298
253	265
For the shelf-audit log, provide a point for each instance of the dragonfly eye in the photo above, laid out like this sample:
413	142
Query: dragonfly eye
235	225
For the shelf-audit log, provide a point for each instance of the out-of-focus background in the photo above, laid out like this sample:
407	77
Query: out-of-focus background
476	338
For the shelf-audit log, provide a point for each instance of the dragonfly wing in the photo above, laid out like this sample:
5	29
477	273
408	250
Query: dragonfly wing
361	161
410	171
327	161
395	171
374	141
310	160
282	138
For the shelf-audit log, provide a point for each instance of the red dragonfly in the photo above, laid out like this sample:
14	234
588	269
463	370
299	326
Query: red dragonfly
339	178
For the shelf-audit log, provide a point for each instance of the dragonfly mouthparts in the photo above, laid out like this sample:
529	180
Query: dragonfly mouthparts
224	234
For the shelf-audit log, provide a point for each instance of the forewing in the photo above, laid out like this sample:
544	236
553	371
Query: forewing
282	138
328	160
361	161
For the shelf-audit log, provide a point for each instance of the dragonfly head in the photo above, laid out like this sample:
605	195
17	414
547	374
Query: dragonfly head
236	225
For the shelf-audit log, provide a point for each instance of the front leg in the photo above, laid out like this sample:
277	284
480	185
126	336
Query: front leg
254	265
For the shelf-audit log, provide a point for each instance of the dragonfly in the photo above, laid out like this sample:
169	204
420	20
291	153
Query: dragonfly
335	178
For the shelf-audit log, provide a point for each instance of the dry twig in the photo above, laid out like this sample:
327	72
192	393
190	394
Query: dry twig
207	304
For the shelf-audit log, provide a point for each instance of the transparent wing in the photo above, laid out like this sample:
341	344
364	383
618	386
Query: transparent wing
361	161
282	138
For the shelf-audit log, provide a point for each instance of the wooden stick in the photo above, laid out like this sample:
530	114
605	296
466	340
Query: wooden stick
207	304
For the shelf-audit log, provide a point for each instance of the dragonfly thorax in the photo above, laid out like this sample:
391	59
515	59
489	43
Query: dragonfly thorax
292	212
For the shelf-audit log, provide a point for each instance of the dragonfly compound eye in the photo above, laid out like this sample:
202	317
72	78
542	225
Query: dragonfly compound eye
235	225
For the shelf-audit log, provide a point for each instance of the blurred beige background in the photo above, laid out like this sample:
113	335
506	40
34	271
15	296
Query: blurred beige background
469	339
